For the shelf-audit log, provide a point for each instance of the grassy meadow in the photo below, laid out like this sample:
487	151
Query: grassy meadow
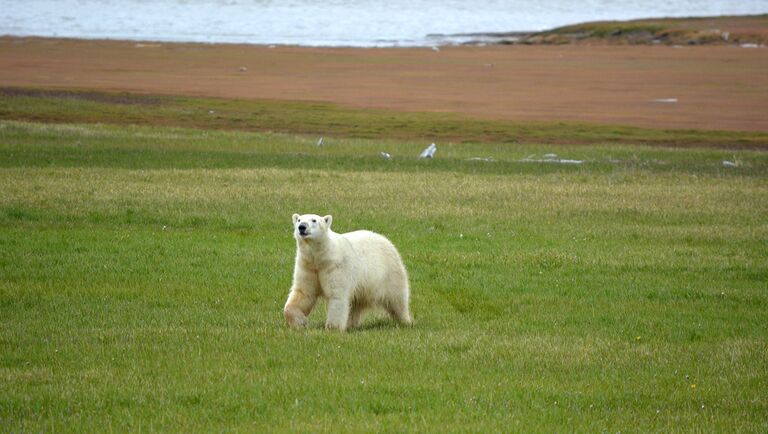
143	272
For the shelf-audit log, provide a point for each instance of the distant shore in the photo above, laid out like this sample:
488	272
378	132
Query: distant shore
736	30
745	30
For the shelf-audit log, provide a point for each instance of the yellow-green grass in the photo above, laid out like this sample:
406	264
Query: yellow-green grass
743	29
297	117
143	272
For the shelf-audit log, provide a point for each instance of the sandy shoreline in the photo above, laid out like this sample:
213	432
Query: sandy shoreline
704	87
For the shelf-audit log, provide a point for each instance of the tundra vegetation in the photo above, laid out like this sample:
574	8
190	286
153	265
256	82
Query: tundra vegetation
143	269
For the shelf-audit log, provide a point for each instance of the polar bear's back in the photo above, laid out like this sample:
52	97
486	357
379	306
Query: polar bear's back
366	237
372	245
380	262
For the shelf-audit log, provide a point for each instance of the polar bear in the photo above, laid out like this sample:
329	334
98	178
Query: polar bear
352	271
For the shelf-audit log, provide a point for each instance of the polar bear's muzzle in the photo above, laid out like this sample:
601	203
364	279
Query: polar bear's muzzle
303	229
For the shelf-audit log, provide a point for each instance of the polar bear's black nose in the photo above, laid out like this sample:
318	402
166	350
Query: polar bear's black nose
302	228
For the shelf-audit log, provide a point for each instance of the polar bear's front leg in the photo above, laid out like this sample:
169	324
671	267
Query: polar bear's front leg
298	307
337	286
338	313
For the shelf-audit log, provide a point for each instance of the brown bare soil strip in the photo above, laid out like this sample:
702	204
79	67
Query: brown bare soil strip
702	87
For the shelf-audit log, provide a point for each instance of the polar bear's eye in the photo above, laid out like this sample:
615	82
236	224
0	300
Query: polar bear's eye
314	221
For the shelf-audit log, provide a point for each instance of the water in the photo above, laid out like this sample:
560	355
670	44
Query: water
361	23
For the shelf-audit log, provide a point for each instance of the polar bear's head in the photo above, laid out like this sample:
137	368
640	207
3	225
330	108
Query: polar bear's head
309	227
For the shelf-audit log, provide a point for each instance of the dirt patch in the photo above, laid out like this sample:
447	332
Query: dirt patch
701	87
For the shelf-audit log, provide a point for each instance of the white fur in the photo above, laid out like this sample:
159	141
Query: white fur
352	271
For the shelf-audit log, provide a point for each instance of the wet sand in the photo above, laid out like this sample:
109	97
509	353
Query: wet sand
699	87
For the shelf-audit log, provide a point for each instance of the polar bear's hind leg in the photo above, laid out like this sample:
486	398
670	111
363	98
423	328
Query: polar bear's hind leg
397	305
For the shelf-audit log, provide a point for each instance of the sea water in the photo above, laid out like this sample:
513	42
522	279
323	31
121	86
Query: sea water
361	23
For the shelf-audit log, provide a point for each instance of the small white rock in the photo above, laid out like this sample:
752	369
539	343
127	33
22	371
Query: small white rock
665	100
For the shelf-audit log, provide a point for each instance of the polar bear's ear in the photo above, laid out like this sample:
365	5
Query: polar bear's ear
295	218
328	219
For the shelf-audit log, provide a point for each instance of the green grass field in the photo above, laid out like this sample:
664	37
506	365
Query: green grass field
143	272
